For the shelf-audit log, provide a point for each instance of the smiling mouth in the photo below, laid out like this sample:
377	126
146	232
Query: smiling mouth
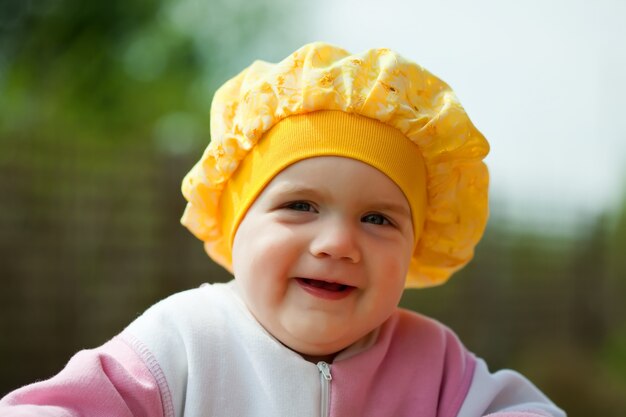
328	286
325	289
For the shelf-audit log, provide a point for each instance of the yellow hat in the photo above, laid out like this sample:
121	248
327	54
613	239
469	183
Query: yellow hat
394	115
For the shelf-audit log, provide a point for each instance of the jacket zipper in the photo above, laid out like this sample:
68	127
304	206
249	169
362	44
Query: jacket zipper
325	378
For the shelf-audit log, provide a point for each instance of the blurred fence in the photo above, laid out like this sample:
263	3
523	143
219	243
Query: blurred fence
89	237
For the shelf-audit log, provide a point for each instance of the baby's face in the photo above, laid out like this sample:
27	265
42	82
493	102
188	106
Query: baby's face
322	255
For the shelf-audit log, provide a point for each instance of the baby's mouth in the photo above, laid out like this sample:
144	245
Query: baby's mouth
324	285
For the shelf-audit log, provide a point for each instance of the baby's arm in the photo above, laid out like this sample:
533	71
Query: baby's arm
505	394
111	380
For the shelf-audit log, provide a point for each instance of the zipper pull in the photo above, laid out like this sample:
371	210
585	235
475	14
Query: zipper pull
325	378
325	370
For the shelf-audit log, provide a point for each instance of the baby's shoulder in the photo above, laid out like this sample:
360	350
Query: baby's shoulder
181	315
416	329
178	333
416	322
208	296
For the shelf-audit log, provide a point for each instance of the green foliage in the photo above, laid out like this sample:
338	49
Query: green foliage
62	69
112	70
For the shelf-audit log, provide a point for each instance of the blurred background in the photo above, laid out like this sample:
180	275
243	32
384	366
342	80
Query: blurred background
104	107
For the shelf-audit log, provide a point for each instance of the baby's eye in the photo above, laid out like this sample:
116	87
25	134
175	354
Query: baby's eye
375	219
300	206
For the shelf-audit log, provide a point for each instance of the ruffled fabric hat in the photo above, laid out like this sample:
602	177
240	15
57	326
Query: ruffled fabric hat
376	107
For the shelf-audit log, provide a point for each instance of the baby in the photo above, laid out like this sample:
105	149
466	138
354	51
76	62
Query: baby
332	182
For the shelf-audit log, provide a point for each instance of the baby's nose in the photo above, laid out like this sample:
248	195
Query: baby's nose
337	240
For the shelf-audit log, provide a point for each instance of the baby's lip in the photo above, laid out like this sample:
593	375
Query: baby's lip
325	289
325	283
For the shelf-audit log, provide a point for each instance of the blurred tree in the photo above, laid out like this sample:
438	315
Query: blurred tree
614	352
617	264
112	70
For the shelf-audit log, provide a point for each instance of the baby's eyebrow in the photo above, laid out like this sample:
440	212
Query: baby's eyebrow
293	188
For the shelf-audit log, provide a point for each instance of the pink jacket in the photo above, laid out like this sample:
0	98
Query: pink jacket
178	360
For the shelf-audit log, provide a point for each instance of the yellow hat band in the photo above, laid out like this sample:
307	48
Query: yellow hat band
325	133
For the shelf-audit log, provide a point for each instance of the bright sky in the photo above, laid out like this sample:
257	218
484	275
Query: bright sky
543	80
